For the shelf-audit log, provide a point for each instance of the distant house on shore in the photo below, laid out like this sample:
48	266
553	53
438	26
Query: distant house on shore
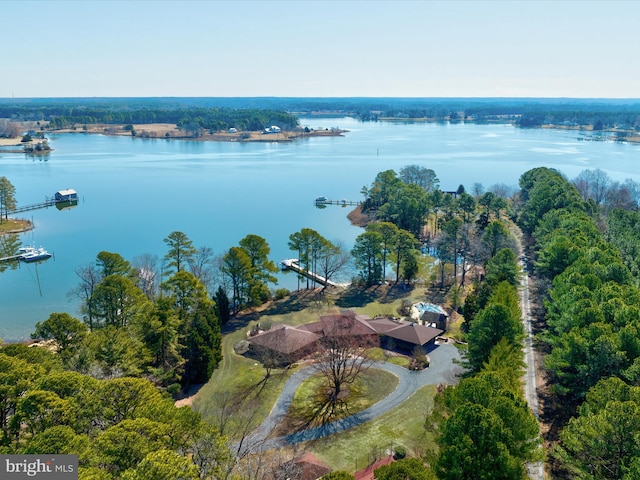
273	129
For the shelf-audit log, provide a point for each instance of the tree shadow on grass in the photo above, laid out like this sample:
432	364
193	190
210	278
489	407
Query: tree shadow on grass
295	302
361	296
395	292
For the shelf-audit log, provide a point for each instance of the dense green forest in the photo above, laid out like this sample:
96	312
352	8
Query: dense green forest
260	112
583	242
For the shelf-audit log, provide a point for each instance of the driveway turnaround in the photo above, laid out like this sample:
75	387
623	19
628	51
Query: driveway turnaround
443	369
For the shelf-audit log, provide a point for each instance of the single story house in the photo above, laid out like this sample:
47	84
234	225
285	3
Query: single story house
288	344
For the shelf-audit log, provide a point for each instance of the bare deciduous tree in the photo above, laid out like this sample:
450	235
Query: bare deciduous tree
341	360
593	184
202	265
333	260
146	268
89	276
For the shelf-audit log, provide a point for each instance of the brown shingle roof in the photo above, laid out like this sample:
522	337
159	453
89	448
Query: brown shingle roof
346	323
315	327
311	466
383	324
284	339
414	333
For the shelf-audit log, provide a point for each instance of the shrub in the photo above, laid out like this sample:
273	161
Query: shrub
281	293
400	452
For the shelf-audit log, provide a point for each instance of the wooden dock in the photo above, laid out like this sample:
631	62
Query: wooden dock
292	264
9	258
50	202
343	202
62	199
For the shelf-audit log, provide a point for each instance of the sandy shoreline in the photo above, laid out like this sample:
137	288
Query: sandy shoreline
11	142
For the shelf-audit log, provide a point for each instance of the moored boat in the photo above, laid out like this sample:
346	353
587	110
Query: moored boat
32	254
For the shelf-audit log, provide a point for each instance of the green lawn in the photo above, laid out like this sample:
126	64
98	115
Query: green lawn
372	386
356	448
13	225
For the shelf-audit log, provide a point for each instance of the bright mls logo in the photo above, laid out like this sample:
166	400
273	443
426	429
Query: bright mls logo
50	467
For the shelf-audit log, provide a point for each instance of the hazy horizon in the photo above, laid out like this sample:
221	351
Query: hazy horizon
320	49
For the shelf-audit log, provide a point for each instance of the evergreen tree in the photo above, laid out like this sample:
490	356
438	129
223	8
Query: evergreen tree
181	251
223	309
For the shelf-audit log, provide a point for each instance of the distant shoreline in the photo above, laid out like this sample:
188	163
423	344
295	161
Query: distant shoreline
172	132
630	136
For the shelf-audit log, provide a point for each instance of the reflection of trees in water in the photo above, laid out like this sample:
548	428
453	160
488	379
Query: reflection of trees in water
9	244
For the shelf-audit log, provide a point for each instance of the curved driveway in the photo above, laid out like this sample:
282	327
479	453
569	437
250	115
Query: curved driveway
442	369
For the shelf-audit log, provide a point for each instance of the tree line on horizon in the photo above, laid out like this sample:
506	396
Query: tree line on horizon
254	114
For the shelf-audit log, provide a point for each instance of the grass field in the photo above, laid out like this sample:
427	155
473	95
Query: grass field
372	386
12	225
356	448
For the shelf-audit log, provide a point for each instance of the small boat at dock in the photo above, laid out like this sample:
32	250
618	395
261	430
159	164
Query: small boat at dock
32	254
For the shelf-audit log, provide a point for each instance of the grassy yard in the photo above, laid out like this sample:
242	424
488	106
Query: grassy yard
372	386
356	448
13	225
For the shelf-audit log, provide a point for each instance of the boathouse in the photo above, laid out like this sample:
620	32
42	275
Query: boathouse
66	195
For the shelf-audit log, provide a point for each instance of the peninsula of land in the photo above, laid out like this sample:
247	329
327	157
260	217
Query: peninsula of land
172	131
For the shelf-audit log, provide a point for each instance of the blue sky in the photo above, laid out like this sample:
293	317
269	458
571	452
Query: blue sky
320	48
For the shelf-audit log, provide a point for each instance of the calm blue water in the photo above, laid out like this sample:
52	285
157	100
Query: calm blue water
134	192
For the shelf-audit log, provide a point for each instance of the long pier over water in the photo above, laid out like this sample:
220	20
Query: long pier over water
49	202
292	264
343	202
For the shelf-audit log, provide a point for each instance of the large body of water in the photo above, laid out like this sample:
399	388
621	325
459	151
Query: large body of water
134	192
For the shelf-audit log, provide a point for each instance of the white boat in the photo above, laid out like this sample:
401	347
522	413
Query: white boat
32	254
23	250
